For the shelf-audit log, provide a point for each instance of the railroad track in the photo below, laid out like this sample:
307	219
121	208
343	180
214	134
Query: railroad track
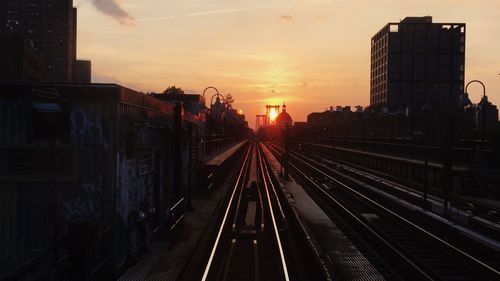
477	208
249	245
475	216
396	245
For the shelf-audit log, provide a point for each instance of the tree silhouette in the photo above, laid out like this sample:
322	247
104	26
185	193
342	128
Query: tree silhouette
173	90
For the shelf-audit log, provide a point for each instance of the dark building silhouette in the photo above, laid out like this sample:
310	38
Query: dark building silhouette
416	62
82	73
284	119
49	27
335	121
19	62
490	114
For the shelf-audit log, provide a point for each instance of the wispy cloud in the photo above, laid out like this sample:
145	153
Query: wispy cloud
113	9
204	13
190	15
287	17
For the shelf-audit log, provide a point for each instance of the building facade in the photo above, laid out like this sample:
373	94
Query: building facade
83	72
49	27
417	62
486	113
19	61
90	175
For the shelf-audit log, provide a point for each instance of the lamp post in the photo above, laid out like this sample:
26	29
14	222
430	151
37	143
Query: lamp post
223	128
214	111
209	121
484	99
427	109
210	87
450	116
286	135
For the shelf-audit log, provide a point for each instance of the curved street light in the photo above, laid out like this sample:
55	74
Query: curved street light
215	116
210	87
221	97
483	101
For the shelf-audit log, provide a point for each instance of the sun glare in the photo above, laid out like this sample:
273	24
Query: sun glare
273	114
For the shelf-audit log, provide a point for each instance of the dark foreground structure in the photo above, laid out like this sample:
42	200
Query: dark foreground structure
90	175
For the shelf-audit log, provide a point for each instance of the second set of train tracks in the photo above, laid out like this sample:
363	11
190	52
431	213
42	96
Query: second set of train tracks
397	241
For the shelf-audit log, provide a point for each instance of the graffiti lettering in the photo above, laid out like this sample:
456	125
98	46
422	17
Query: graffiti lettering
81	125
83	207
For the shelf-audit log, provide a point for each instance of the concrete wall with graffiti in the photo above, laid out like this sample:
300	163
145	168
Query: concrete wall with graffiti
91	136
109	179
143	180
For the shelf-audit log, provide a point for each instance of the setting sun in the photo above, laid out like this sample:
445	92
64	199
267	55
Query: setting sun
273	114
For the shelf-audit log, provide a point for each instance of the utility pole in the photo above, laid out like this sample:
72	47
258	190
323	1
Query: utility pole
189	205
178	139
448	160
287	152
427	109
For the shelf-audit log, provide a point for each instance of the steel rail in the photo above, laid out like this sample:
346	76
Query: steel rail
282	213
240	193
216	243
482	218
263	168
427	233
363	224
301	227
482	208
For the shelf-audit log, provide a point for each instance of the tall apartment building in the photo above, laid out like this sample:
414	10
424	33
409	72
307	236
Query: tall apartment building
19	61
416	62
49	26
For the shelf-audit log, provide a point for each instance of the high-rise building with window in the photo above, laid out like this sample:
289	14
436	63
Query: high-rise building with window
49	26
19	61
417	62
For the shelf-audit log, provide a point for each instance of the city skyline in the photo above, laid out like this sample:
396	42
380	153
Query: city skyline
249	140
311	54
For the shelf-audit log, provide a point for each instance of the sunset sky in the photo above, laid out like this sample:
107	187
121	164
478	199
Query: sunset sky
310	53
